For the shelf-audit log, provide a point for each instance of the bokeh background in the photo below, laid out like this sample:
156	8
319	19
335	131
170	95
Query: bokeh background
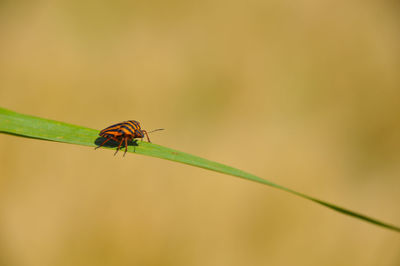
303	93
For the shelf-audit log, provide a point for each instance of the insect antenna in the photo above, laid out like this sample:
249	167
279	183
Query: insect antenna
158	129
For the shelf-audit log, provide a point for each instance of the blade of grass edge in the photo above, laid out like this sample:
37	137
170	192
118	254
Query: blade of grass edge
40	128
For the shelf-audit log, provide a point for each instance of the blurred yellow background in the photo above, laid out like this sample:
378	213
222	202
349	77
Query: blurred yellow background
303	93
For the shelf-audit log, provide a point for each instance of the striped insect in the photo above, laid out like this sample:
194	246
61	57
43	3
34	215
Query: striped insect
124	132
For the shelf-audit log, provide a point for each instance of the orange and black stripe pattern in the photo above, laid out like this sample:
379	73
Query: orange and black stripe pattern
123	132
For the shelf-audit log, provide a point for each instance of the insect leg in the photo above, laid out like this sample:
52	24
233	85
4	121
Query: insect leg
126	146
102	143
119	146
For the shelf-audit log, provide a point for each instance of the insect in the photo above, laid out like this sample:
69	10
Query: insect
124	132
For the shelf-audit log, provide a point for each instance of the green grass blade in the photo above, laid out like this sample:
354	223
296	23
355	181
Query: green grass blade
39	128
